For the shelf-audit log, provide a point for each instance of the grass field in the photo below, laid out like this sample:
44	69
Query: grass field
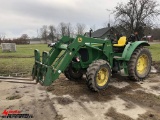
20	61
25	50
155	51
23	60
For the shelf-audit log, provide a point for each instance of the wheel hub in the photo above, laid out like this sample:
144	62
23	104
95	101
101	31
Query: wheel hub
142	64
102	77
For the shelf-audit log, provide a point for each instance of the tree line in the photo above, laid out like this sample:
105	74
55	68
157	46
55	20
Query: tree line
24	39
63	29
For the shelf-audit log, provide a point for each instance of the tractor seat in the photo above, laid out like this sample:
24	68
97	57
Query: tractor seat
121	42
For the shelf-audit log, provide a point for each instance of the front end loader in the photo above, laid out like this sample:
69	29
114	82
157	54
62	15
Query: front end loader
94	57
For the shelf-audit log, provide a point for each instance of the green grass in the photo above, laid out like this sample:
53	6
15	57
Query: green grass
14	62
16	65
25	50
155	51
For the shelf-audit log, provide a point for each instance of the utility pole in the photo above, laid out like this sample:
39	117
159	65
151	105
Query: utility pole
109	17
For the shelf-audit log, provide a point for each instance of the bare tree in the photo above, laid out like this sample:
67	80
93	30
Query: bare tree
80	28
52	32
63	29
24	36
2	36
44	32
134	15
155	33
69	29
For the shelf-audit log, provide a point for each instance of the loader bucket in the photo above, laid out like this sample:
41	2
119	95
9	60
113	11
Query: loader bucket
42	71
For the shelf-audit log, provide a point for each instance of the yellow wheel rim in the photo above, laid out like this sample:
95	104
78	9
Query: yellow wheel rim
102	76
142	64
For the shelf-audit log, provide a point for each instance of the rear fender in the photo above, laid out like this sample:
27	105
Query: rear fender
130	47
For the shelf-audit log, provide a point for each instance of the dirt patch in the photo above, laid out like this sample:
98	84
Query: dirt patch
76	89
116	116
155	88
50	88
152	80
26	92
129	105
59	117
143	99
150	115
63	100
13	97
152	75
156	65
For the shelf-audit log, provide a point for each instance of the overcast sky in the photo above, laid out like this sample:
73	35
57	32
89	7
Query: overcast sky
27	16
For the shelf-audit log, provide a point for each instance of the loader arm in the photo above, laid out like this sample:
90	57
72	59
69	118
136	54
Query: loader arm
58	58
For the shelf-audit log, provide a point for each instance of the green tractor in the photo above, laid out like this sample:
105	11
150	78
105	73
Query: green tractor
94	57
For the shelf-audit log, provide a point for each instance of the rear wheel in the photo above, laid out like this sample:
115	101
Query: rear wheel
139	65
73	74
98	75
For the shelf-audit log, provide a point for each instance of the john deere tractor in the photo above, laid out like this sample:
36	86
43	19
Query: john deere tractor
96	58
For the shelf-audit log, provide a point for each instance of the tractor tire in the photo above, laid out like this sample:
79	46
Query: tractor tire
98	75
72	74
139	65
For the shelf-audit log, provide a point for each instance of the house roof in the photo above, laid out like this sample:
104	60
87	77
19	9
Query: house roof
100	32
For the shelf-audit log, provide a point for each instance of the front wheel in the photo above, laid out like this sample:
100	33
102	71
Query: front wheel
98	75
73	74
139	65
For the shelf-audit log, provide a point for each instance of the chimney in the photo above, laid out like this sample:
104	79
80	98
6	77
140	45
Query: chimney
108	25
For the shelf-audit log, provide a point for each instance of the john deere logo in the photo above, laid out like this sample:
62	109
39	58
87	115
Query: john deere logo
79	39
